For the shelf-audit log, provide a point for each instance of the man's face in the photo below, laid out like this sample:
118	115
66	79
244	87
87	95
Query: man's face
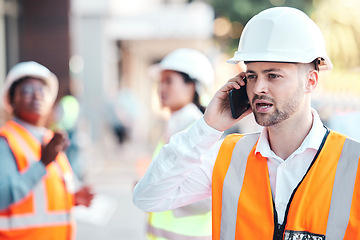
276	91
31	100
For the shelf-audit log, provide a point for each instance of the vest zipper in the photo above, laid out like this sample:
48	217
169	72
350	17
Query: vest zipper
279	232
279	229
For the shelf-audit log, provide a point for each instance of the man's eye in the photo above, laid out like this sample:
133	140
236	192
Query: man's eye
273	76
250	77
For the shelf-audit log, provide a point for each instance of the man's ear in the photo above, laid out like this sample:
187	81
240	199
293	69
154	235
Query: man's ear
311	81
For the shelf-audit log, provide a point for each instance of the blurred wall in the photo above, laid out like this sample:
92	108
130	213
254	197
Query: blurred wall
116	41
44	36
35	30
2	42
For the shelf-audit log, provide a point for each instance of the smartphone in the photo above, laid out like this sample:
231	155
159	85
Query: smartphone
239	101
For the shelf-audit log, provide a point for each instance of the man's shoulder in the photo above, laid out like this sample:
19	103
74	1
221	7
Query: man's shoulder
343	136
245	137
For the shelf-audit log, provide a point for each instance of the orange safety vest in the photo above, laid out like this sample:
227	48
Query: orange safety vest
324	205
45	213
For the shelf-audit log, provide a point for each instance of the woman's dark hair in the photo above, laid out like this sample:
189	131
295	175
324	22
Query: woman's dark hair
196	99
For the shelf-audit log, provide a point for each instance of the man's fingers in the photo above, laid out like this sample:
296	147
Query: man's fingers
239	79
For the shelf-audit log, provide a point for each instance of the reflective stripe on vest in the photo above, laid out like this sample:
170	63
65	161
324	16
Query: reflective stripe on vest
191	222
38	209
164	225
346	180
325	204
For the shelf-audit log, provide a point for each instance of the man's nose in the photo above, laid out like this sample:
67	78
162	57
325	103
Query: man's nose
261	85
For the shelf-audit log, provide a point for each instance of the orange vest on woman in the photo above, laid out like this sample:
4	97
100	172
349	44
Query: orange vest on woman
325	204
45	213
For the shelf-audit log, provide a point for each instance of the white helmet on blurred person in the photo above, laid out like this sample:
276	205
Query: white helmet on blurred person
282	34
29	69
193	63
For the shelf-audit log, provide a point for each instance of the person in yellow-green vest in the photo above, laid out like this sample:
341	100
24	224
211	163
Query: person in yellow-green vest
296	178
65	117
184	74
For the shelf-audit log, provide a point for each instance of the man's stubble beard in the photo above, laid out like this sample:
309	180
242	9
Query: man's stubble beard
279	115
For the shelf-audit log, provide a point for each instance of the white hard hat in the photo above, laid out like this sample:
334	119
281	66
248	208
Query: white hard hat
282	34
29	69
193	63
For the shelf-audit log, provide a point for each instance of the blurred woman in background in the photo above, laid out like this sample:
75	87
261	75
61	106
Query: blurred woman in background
184	75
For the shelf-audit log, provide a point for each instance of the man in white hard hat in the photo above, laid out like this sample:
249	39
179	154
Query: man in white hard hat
37	190
296	179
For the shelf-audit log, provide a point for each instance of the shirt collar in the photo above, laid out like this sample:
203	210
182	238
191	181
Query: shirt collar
312	140
38	132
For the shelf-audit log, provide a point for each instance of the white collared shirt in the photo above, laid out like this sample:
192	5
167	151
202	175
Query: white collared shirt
285	174
182	119
182	172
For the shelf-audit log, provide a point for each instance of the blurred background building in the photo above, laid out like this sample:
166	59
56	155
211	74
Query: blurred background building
99	47
103	53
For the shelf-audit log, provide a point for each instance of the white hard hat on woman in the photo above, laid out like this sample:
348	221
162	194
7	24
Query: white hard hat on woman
193	63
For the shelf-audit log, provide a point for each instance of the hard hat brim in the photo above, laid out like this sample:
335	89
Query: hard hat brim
239	57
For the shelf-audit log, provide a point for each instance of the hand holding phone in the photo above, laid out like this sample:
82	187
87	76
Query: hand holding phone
239	101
